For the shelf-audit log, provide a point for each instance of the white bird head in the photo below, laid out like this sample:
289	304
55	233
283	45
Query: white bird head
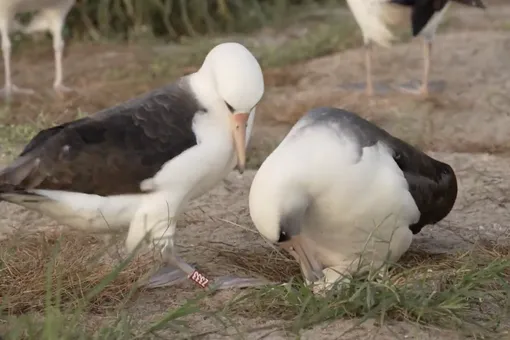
238	80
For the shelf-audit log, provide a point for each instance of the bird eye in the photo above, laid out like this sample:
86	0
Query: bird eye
230	107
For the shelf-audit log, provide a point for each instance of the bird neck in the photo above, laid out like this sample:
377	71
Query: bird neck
203	86
215	126
214	156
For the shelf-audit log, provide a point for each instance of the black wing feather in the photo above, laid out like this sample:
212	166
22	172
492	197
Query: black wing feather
432	183
111	152
422	12
408	3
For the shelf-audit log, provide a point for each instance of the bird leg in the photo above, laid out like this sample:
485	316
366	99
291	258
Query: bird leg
9	88
58	48
423	89
52	20
177	270
368	68
427	49
368	86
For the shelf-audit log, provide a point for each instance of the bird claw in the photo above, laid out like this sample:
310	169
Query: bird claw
422	90
165	277
375	89
62	89
229	282
6	92
177	270
170	275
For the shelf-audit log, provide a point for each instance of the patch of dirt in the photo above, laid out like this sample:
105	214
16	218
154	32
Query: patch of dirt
471	115
211	229
481	212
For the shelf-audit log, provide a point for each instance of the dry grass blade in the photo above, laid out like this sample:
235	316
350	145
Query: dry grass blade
273	265
78	267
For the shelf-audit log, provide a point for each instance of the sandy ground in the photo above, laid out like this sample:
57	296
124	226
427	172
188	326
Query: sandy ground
481	212
459	125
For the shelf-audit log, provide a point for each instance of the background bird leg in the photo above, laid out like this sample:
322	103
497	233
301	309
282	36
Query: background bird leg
9	88
368	68
424	88
427	49
368	86
58	48
52	20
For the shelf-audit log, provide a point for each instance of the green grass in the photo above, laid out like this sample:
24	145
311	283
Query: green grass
505	26
466	292
332	33
14	136
54	324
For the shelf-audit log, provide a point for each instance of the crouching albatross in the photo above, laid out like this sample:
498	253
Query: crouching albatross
342	195
138	164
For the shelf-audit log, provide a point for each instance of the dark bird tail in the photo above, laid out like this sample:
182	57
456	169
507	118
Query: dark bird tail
20	174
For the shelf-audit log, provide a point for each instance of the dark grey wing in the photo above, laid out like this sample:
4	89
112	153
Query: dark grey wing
432	183
422	12
408	3
111	152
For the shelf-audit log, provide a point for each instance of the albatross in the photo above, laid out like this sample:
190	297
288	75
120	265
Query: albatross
375	18
136	165
343	196
50	17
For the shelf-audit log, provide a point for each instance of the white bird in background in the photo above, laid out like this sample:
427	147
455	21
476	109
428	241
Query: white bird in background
341	194
138	164
375	18
50	17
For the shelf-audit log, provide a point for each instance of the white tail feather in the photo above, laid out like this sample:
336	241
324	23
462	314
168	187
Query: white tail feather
81	211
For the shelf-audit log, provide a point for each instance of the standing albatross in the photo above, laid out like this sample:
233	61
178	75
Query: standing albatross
50	17
375	18
338	187
138	164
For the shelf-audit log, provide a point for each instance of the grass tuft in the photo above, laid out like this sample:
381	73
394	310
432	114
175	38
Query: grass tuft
49	284
465	291
43	269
